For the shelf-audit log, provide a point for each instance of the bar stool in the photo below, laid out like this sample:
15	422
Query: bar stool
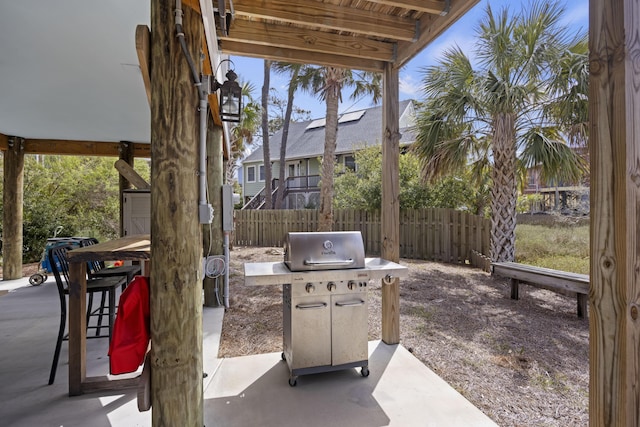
106	285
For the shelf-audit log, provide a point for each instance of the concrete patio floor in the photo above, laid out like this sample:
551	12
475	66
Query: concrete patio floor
242	391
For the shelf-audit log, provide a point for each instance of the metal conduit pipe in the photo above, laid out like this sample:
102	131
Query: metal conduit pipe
203	152
225	293
205	212
183	44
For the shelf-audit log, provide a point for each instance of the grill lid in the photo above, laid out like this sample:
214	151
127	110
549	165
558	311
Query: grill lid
305	251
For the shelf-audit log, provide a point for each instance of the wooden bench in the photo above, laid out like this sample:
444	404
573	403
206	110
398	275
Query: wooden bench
560	281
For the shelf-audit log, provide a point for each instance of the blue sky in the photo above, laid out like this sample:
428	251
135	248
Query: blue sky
461	33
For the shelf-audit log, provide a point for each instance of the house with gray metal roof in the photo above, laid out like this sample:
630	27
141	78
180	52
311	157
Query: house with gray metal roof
305	147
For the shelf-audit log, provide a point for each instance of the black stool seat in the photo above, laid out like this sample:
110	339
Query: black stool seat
104	285
126	271
97	269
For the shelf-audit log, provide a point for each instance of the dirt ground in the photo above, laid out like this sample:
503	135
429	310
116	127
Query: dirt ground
523	363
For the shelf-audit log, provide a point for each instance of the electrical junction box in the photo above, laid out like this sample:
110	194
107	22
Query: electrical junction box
205	213
136	212
227	207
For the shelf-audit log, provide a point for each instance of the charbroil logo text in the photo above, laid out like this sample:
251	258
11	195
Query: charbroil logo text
328	245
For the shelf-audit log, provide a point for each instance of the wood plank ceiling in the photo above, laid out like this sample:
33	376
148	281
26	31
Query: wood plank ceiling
355	34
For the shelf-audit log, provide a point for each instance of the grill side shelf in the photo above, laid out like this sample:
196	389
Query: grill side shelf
277	273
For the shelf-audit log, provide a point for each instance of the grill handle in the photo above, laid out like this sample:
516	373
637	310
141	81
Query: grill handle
350	303
333	263
311	306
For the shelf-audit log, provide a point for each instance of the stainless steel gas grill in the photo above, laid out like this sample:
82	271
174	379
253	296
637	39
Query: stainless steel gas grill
324	279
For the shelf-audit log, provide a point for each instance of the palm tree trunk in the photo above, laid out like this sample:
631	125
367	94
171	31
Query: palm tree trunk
504	191
325	222
265	135
285	135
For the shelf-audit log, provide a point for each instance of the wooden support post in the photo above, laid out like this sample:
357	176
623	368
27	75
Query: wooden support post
77	330
614	318
12	216
582	303
126	155
515	288
390	203
176	233
212	238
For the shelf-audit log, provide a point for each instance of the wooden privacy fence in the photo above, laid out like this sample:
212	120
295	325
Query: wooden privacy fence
444	235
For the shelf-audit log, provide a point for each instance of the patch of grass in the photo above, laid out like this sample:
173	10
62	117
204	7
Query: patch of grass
424	330
561	248
551	381
474	363
421	312
506	349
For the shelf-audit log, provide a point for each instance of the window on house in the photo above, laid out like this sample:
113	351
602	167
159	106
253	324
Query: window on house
350	162
251	174
261	172
292	170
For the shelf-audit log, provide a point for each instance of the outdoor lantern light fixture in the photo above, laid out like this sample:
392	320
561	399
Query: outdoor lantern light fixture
230	99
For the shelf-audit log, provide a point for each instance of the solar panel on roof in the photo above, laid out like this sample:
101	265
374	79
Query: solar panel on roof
351	117
318	123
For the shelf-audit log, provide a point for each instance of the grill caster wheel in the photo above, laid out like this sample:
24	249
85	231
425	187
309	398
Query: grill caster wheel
37	279
293	381
364	371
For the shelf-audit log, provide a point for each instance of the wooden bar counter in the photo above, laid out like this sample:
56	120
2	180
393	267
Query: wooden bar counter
137	247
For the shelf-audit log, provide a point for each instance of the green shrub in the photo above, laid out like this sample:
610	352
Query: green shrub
78	193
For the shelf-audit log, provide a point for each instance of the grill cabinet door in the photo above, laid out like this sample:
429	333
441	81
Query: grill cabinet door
350	328
310	331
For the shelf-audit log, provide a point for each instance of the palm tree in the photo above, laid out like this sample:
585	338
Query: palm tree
243	132
516	106
265	135
327	83
294	71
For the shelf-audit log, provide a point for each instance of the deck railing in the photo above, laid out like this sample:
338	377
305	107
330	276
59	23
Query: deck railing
293	184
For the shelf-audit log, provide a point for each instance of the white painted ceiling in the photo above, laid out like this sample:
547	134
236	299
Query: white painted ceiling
69	70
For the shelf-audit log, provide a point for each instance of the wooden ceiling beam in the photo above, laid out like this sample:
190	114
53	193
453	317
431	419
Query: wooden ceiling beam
81	148
144	57
291	37
300	56
436	7
315	14
431	26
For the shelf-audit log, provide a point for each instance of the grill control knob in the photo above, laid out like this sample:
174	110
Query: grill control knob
351	285
331	287
310	288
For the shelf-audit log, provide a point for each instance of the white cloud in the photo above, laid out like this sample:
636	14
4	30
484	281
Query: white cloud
410	86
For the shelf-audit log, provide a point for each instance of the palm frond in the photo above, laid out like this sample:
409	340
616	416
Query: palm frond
569	91
545	148
442	146
366	84
495	42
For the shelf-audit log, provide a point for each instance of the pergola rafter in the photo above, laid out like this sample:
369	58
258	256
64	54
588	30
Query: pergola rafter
76	148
